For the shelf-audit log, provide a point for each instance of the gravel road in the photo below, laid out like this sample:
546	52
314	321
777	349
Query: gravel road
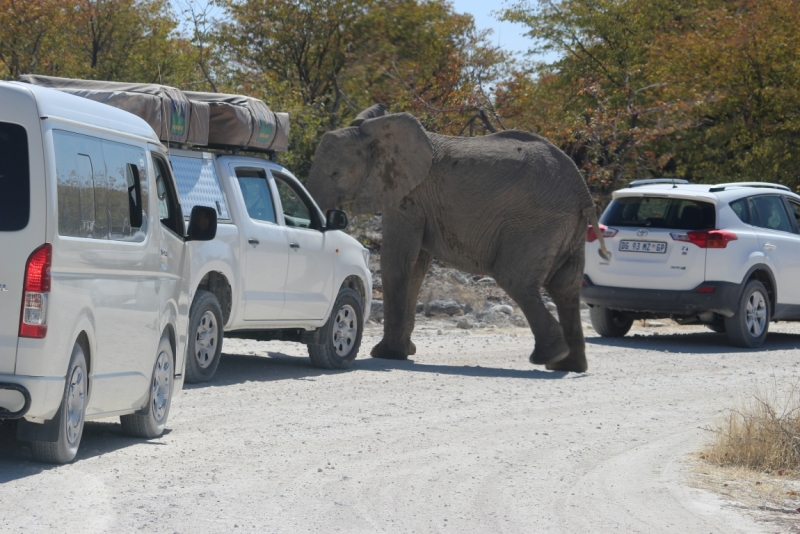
468	437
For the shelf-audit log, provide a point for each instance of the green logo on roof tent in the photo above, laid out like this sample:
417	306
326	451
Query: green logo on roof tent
178	123
264	129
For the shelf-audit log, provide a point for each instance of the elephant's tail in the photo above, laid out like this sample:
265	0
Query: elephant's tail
591	214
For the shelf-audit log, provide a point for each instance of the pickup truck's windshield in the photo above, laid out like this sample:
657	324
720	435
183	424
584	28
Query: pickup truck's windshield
15	187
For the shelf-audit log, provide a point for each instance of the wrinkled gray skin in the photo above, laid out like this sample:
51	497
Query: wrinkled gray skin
510	205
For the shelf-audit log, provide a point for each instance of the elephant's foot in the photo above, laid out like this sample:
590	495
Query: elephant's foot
572	364
412	349
545	355
391	351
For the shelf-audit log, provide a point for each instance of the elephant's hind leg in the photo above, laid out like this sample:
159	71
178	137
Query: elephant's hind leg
550	344
564	288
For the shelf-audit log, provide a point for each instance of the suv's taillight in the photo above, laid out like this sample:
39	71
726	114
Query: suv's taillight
33	322
706	238
607	232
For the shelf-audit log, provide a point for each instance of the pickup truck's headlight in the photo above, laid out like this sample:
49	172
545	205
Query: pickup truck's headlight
365	252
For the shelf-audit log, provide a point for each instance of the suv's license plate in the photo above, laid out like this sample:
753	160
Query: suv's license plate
643	246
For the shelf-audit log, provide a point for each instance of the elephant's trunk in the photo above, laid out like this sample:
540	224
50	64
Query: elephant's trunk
591	213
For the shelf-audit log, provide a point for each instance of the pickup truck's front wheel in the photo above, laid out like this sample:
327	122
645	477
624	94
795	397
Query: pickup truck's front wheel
340	338
205	338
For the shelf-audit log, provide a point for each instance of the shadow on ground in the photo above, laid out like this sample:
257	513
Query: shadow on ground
696	343
98	438
240	368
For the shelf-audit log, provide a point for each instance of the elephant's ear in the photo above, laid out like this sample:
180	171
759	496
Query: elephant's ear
378	110
401	155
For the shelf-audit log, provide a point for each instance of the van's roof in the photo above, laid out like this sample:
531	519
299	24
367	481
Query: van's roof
54	104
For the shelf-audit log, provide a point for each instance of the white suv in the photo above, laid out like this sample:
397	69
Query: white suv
727	256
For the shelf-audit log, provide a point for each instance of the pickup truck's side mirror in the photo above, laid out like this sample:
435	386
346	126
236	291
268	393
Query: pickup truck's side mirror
202	224
336	220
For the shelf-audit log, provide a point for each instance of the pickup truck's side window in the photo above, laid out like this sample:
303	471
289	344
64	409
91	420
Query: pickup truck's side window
255	191
295	210
168	207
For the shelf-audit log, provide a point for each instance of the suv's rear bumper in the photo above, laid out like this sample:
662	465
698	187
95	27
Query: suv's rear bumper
723	300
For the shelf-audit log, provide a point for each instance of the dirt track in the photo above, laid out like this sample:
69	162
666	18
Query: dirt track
467	438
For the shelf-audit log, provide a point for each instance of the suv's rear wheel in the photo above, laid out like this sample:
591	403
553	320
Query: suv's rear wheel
341	335
749	325
610	323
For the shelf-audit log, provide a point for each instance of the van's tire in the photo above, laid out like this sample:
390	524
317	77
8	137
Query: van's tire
152	420
609	323
72	414
204	346
340	337
748	327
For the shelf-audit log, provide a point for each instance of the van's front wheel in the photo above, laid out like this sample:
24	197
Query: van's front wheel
340	338
204	348
72	413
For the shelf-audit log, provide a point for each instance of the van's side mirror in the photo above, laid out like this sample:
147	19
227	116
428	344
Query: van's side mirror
202	224
336	220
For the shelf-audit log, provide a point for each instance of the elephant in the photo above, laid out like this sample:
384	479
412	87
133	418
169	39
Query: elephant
510	205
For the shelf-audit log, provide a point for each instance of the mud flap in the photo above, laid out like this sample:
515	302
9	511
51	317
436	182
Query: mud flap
48	431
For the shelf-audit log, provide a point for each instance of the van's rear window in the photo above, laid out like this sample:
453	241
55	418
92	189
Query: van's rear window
661	212
15	181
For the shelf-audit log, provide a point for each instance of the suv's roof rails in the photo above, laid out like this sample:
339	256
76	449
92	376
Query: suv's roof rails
651	181
766	185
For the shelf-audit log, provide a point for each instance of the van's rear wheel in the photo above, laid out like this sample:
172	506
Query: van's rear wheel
341	336
204	348
749	325
609	323
153	421
72	414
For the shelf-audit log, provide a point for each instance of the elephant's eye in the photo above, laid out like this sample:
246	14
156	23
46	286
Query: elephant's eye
335	175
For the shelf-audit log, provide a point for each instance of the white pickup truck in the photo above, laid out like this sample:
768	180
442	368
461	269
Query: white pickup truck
277	269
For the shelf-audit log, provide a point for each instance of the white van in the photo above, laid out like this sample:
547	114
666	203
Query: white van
93	264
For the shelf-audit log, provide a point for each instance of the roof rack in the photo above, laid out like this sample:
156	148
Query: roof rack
765	185
652	181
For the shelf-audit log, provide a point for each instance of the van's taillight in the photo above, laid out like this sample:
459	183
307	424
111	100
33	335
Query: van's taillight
33	322
706	238
607	232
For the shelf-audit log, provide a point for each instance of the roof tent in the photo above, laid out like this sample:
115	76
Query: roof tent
186	118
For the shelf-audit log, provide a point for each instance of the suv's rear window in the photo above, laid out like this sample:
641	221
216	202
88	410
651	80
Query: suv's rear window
660	212
15	182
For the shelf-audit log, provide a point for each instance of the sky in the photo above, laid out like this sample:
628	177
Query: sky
507	35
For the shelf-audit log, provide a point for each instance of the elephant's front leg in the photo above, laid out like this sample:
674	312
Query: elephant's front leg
402	272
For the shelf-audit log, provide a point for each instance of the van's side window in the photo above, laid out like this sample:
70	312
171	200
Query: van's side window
100	187
15	185
168	207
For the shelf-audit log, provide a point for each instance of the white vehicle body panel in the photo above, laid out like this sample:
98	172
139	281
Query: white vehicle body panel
274	286
116	291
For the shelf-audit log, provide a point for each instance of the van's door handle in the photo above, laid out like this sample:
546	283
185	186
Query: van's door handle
770	246
253	241
164	253
294	245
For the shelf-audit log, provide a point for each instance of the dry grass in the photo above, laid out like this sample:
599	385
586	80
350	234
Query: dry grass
762	434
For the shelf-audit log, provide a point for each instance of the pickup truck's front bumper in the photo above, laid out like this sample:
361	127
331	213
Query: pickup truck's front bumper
723	299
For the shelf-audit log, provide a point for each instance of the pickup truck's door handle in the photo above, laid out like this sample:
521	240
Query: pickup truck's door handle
253	241
294	245
769	246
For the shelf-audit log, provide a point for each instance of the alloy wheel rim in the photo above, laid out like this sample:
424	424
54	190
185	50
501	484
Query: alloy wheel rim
76	401
756	314
345	327
162	378
205	343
